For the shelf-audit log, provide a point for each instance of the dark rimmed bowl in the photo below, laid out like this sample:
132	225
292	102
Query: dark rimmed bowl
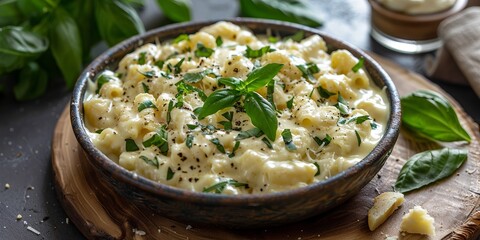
245	211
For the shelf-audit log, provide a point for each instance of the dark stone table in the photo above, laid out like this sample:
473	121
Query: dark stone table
26	127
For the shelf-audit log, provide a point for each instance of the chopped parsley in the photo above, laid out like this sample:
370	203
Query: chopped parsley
359	65
359	140
170	173
297	37
227	125
153	161
323	142
159	139
169	111
148	74
145	87
373	125
145	105
288	140
217	143
272	39
270	91
254	132
290	103
189	141
342	105
219	187
219	41
324	93
105	77
130	145
197	76
318	169
358	119
192	126
203	51
159	64
308	70
181	37
250	53
267	142
99	131
177	67
235	148
141	58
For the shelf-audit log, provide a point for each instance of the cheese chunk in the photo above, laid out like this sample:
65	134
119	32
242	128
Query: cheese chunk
384	205
418	221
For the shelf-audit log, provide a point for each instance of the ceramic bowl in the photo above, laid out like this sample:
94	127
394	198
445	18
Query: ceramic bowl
241	211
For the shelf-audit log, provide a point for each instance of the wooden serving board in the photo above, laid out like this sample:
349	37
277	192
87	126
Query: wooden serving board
99	212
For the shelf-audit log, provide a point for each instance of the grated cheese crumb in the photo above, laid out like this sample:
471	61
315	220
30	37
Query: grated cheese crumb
31	229
140	233
188	227
19	217
66	220
7	186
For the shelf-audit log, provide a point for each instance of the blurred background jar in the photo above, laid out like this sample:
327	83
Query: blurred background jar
410	26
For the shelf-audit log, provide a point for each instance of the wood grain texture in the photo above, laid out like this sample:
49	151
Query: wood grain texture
99	212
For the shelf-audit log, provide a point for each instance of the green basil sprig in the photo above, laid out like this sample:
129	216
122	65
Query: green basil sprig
427	167
32	83
431	116
176	10
219	187
260	111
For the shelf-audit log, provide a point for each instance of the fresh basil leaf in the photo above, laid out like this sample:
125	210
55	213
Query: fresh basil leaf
117	21
323	142
146	104
267	142
159	139
373	125
31	83
177	67
18	47
290	103
359	65
219	187
176	10
36	8
297	11
219	100
324	93
318	169
203	51
431	116
428	167
10	13
359	140
192	126
250	53
254	132
84	15
66	45
103	78
160	64
217	143
262	114
308	70
288	140
153	162
142	58
181	37
130	145
261	76
233	82
197	76
342	105
189	140
169	111
359	119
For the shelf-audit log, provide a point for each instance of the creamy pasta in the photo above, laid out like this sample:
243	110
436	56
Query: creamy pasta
328	114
